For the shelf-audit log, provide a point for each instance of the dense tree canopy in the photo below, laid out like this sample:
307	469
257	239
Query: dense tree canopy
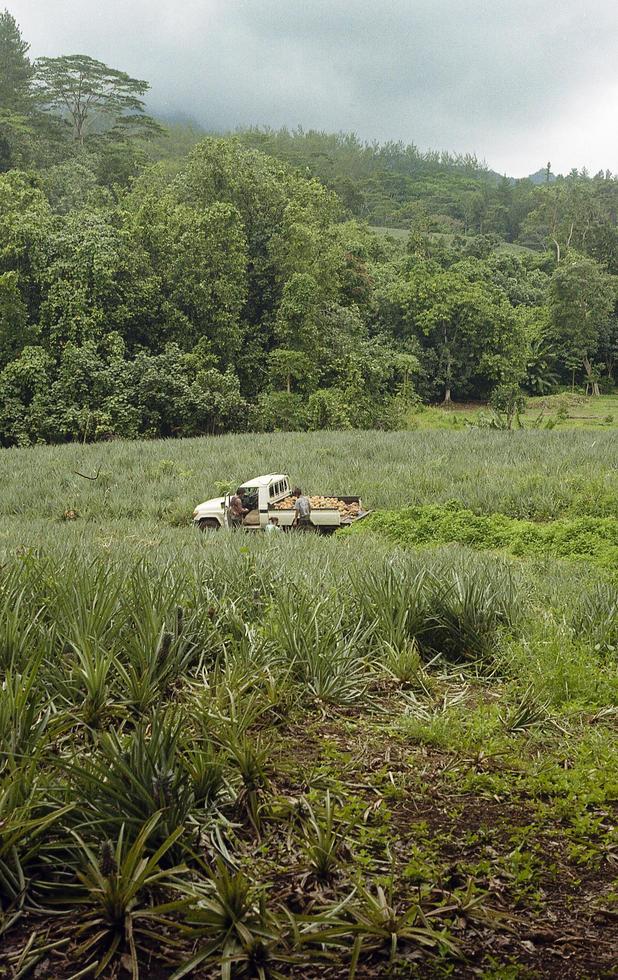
468	331
581	301
189	285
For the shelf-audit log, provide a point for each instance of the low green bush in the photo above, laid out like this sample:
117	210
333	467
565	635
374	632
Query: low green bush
593	539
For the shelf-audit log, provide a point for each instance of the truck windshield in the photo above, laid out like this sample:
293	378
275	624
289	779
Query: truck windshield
249	497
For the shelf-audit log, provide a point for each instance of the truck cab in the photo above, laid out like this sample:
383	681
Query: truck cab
260	495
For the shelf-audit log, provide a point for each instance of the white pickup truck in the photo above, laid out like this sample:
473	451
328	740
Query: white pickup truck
271	496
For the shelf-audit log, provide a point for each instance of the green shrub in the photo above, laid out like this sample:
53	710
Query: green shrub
593	539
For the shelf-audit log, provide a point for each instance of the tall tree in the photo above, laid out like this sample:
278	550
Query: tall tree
14	334
296	330
581	300
96	278
470	335
16	71
82	89
16	74
200	257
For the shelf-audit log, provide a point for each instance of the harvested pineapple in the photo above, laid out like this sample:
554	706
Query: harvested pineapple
322	503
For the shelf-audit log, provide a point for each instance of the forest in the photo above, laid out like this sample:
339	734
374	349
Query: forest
155	281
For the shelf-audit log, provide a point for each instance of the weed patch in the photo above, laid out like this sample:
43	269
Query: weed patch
589	539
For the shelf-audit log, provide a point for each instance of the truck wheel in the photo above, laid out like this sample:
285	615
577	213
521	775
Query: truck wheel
208	524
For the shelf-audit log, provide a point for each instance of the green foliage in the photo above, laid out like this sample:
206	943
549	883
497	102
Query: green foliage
283	313
132	779
14	332
541	376
83	87
593	539
391	184
269	751
162	315
328	408
280	411
233	296
16	68
113	897
323	839
16	97
468	331
96	392
581	299
507	403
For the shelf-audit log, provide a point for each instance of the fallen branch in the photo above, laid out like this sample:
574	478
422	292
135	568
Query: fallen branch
85	475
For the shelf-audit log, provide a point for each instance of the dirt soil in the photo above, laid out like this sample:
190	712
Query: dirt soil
406	801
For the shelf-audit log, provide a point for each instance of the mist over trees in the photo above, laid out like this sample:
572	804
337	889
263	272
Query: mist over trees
153	282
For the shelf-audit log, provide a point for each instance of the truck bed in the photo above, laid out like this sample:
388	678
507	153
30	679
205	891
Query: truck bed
322	517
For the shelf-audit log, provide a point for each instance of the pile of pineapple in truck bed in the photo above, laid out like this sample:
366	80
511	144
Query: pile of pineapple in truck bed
271	496
351	509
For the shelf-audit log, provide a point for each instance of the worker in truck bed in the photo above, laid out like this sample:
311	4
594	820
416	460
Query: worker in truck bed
302	509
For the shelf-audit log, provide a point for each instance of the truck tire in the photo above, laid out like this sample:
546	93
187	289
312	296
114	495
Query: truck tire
208	524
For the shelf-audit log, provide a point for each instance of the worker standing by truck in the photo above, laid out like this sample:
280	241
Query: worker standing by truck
302	509
237	509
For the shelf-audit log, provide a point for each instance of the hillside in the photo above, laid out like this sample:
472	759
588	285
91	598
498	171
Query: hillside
235	293
401	186
154	283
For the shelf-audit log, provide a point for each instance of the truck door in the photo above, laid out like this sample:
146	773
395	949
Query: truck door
263	498
227	521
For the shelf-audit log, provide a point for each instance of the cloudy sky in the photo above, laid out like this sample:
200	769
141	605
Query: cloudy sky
518	82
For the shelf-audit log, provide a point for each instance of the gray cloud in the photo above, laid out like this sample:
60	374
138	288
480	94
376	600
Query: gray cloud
516	81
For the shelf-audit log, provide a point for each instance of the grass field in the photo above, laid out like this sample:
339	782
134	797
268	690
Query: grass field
402	235
564	411
389	753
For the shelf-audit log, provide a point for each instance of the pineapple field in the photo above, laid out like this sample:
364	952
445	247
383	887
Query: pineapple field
391	752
